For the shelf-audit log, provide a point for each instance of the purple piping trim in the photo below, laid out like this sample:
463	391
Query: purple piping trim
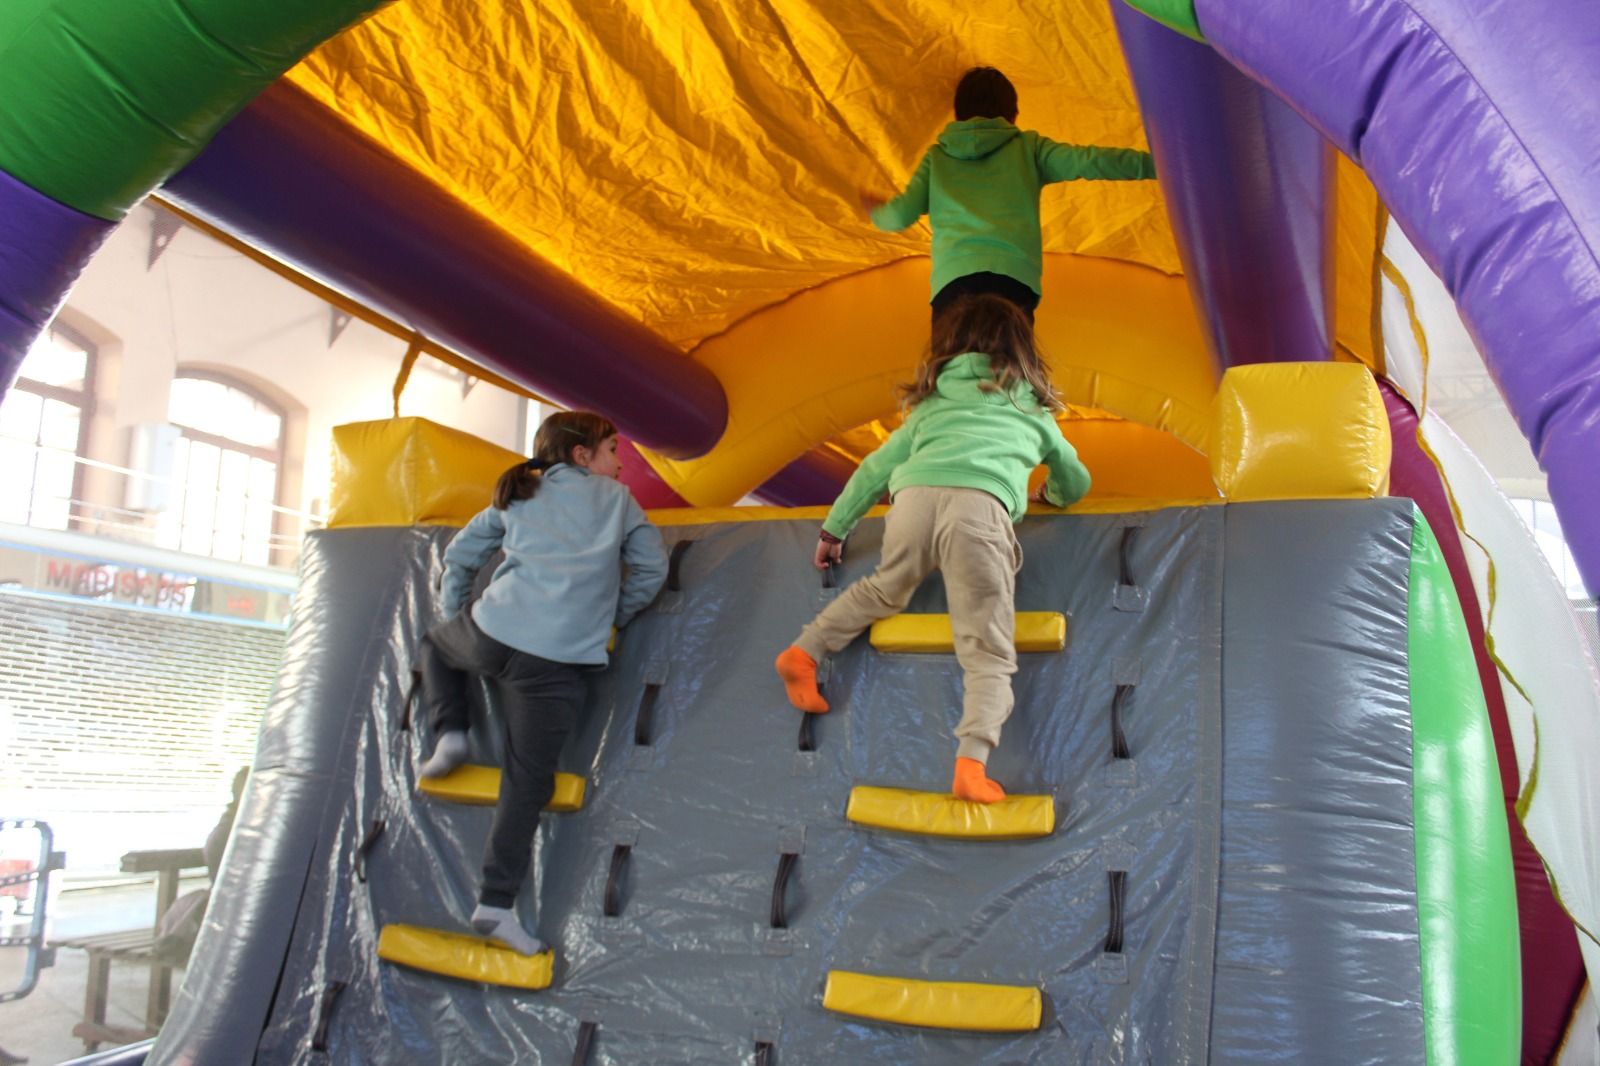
1480	127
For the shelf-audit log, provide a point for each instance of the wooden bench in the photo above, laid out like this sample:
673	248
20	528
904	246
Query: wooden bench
132	945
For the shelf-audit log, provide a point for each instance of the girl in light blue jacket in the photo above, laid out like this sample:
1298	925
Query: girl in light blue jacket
580	557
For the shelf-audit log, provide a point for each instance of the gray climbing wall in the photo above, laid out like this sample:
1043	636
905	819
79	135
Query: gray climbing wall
1258	823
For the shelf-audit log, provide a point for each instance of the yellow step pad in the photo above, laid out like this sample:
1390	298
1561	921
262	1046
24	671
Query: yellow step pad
1036	631
942	815
480	786
934	1004
469	958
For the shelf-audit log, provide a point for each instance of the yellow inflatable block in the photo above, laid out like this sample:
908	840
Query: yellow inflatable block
940	814
469	958
1036	631
1293	431
934	1004
480	786
410	471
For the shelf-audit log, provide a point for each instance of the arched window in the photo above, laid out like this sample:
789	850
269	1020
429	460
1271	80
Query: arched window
44	420
225	469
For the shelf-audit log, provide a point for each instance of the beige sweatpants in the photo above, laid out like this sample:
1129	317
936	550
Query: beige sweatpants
966	534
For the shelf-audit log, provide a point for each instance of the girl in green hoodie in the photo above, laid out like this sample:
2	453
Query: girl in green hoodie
979	186
981	417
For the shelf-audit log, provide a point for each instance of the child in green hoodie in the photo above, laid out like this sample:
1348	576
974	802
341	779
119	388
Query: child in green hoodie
979	186
981	417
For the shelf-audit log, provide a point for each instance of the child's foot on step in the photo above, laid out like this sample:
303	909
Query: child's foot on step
799	673
500	924
449	752
972	783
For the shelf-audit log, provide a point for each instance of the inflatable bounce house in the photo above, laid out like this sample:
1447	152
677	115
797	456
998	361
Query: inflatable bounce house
1303	760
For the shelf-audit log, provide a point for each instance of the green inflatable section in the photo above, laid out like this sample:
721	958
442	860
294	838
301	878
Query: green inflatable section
105	99
1178	14
1466	892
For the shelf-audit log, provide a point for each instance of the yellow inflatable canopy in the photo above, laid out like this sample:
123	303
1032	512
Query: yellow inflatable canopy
710	158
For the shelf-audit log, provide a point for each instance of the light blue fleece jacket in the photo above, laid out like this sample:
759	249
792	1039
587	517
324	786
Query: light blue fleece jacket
561	587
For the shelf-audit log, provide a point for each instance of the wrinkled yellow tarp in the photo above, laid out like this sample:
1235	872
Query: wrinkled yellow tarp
695	162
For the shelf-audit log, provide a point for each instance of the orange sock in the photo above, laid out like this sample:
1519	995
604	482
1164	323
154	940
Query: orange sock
799	673
972	783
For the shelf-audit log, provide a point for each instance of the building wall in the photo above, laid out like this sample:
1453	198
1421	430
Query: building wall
123	727
201	305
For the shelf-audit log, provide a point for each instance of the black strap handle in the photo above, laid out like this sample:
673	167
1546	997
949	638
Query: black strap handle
1119	885
330	996
647	713
367	841
1119	740
412	692
808	725
619	862
764	1053
1124	567
586	1033
780	889
808	732
674	561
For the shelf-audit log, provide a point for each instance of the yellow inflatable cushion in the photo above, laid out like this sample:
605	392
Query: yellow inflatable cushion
1036	631
1287	431
934	1004
942	815
480	786
470	958
410	471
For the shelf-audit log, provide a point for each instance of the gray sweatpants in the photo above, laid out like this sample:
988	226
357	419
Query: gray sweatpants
966	534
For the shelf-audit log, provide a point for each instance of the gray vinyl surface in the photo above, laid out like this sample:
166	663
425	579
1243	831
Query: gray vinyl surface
1261	820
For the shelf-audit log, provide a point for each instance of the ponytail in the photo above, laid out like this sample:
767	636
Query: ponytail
519	483
558	437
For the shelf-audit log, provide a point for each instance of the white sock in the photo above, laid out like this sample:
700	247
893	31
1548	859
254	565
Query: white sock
500	923
449	752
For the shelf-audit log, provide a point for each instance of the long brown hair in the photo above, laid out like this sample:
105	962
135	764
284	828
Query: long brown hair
992	326
558	437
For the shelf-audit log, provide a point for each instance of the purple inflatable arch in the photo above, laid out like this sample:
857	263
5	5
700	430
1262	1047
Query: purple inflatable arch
1480	127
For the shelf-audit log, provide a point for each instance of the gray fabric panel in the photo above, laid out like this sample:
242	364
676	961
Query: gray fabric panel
355	603
690	972
1317	950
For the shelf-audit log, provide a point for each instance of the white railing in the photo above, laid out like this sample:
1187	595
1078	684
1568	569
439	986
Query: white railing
95	514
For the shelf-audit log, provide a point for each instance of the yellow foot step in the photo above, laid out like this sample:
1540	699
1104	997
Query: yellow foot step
935	1004
1036	631
469	958
480	786
942	815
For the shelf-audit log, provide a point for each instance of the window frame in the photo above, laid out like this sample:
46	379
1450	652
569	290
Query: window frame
83	399
274	455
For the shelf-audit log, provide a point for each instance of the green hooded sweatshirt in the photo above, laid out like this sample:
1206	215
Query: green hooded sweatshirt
964	436
979	186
